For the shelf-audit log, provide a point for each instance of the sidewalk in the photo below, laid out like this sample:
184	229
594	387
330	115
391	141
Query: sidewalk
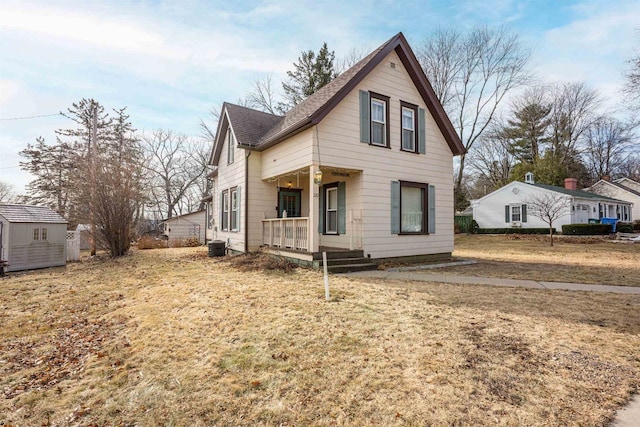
423	276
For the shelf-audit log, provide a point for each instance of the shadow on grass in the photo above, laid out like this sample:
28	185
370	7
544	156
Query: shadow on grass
618	312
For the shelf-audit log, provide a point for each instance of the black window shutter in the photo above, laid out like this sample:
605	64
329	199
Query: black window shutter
507	217
524	213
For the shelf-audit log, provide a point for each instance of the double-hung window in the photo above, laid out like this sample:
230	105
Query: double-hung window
225	211
379	120
44	234
413	207
408	119
234	210
331	214
516	213
36	234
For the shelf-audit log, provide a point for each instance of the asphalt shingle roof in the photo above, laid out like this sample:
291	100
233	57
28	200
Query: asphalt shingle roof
624	187
577	193
250	125
259	130
28	213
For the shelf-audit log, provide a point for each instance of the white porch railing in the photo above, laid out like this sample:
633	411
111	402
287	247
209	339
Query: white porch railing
290	233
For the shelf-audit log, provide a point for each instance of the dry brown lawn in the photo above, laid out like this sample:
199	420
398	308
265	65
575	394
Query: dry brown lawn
170	337
573	260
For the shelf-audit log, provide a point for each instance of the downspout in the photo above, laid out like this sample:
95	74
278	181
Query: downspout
246	202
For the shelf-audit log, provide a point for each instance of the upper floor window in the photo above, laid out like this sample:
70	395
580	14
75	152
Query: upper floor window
379	120
44	234
408	119
36	234
231	148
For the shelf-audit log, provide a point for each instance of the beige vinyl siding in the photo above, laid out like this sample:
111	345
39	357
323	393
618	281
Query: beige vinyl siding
290	155
187	226
340	146
230	176
261	198
353	201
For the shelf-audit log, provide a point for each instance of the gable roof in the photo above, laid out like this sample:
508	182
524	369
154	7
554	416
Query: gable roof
624	187
573	193
616	184
577	193
28	213
314	108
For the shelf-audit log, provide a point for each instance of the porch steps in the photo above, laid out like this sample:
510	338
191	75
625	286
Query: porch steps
346	261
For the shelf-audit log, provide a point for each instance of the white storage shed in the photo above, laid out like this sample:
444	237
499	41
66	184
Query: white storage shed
187	226
32	237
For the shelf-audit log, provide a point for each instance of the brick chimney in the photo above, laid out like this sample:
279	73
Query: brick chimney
606	178
571	184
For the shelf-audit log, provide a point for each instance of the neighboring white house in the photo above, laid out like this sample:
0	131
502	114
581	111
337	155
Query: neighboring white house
622	189
191	225
365	163
507	206
32	237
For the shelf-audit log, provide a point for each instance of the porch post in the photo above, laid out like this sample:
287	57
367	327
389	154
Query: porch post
314	203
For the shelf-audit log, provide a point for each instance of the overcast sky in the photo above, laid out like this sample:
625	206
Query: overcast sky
169	62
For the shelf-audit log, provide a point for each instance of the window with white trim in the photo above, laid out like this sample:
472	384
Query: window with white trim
235	218
36	234
44	234
225	211
408	119
379	120
516	213
331	210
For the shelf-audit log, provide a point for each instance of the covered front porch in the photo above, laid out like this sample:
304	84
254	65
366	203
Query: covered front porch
314	207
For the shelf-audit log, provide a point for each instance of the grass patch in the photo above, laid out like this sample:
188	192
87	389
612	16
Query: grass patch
175	338
571	259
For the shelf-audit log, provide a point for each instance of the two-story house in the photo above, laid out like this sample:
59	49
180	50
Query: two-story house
365	164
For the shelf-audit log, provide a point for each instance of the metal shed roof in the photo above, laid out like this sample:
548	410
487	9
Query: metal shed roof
28	213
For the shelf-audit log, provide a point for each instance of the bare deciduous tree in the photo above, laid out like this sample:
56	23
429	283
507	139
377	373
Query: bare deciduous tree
6	193
572	113
118	200
548	206
632	82
471	74
263	95
350	59
607	143
173	168
492	160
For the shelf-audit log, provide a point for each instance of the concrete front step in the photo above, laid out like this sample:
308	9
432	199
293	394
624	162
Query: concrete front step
339	254
348	268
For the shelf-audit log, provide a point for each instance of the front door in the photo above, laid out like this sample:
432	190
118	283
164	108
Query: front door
289	200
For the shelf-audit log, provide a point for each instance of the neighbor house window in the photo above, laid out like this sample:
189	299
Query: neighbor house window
44	234
225	211
408	119
235	218
379	120
331	210
36	234
516	213
413	207
230	151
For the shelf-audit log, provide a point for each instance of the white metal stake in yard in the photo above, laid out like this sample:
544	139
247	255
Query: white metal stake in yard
326	276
